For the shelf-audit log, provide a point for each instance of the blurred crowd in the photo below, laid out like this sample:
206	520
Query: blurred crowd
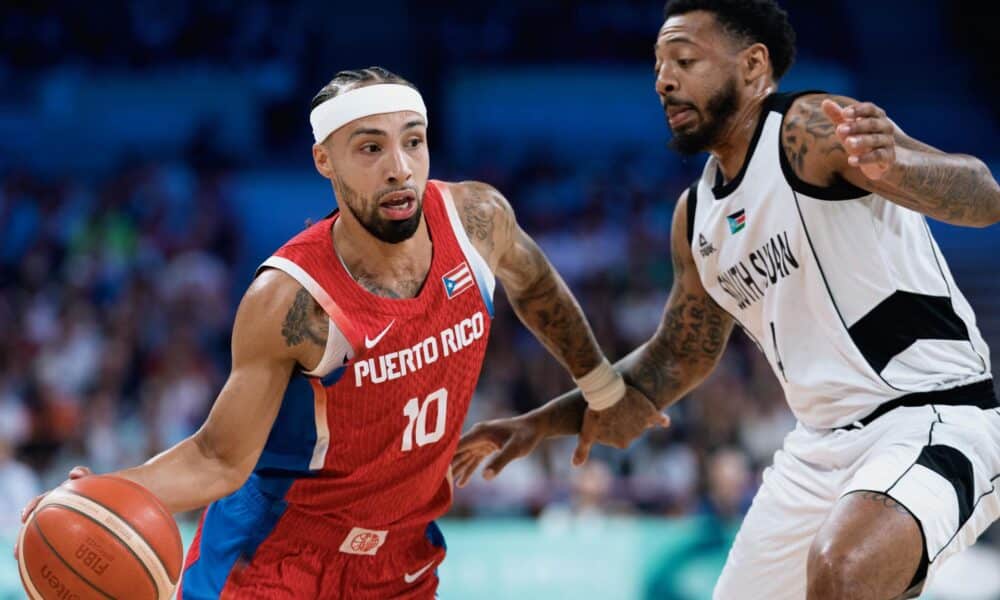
115	308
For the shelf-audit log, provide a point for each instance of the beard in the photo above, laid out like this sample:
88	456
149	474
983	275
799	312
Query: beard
720	108
367	213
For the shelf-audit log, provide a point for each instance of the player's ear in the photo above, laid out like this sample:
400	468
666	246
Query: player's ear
321	159
755	62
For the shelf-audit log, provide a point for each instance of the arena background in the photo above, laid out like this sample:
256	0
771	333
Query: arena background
152	153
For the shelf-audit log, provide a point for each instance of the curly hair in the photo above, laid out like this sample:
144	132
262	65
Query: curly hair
361	77
749	21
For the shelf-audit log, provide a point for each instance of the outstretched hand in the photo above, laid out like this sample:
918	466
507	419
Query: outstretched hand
513	438
618	425
866	134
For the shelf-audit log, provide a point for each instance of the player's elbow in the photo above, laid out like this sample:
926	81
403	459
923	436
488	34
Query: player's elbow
229	471
991	214
994	216
988	217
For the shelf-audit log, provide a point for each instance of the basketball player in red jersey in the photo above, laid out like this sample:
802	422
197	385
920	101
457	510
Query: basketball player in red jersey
356	350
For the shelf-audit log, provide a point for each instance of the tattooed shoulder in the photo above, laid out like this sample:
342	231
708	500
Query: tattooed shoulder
485	214
808	136
305	321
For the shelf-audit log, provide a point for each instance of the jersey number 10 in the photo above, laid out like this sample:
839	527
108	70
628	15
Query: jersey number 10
416	412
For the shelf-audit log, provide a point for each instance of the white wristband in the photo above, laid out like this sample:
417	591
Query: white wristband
603	387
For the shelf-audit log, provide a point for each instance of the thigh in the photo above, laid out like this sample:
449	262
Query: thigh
944	474
768	557
281	569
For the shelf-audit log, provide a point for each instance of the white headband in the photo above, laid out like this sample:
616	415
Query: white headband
364	102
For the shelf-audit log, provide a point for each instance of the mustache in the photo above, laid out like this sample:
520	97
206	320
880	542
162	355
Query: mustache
382	193
667	102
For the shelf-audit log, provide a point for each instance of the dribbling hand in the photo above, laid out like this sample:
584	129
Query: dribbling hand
866	134
75	473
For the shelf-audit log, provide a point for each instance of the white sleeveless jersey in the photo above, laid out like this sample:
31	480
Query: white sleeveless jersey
846	293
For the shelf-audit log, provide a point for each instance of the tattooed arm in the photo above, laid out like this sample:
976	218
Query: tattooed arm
827	138
537	293
277	325
684	349
692	334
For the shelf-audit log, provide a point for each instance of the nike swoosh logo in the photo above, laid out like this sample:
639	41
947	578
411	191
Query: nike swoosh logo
369	344
411	578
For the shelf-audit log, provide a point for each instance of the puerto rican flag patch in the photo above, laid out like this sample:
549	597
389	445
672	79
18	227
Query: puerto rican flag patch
457	280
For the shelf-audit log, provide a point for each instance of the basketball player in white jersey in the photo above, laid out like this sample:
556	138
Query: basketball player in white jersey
807	228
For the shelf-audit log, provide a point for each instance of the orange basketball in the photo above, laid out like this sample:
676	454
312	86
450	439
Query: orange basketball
100	537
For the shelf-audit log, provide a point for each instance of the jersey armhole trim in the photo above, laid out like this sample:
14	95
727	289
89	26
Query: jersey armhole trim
485	279
342	337
840	189
692	206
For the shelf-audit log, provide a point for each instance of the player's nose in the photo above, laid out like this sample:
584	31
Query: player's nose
666	82
398	167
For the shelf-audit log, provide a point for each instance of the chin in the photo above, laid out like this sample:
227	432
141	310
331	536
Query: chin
688	145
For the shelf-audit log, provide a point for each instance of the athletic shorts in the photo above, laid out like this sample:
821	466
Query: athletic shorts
250	548
940	462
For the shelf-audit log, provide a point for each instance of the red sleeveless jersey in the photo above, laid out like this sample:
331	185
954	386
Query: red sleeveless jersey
367	437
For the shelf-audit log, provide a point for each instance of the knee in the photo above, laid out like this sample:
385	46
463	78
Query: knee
832	572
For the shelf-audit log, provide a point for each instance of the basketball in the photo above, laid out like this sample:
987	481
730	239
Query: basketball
100	537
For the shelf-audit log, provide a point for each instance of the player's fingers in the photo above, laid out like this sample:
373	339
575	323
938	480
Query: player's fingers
460	475
863	109
482	446
658	420
509	452
833	111
30	508
461	458
479	438
879	156
463	470
78	472
863	144
582	452
586	441
865	125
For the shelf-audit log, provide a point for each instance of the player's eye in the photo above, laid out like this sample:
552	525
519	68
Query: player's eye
370	148
684	63
414	142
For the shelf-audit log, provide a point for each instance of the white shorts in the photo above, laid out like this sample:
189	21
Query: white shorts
941	462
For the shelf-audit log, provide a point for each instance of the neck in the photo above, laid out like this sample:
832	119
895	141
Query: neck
731	151
369	258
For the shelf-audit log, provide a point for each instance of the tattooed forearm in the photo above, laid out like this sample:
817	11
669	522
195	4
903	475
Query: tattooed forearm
305	321
548	308
538	295
691	337
683	351
953	188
